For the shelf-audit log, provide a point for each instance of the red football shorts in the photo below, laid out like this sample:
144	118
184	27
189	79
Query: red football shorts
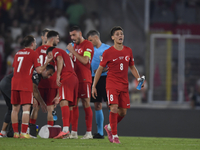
48	94
84	90
21	97
118	97
69	90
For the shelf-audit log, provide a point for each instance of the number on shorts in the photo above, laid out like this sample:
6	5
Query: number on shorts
121	66
111	97
20	59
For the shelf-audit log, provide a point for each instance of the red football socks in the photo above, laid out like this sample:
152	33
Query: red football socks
119	118
32	121
75	119
51	123
15	127
88	118
113	122
71	117
24	128
65	115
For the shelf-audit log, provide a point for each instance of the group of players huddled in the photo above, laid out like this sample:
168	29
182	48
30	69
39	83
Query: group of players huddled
49	76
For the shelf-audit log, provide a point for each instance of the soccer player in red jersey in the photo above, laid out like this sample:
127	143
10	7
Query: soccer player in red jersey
82	52
25	61
68	86
118	58
48	88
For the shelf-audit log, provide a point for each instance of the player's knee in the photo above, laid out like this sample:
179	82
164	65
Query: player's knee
122	114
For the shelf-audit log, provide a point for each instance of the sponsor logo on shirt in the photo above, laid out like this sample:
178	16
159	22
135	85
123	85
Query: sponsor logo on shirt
115	59
121	57
38	60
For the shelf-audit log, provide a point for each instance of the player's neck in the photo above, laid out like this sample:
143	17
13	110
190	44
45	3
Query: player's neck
82	39
48	43
118	46
29	48
98	44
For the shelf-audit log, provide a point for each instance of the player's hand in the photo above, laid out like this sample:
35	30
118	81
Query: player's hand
49	57
70	55
94	92
70	47
56	101
58	81
43	107
35	103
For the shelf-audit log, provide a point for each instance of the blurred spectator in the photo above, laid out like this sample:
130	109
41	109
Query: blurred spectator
15	29
92	22
75	12
61	23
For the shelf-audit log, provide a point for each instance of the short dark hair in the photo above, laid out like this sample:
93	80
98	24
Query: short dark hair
28	40
115	29
48	67
49	49
44	31
92	33
74	28
52	33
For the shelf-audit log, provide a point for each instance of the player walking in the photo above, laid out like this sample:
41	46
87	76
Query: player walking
117	58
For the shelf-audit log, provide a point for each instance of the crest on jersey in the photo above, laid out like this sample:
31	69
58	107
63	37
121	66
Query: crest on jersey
80	50
127	58
38	60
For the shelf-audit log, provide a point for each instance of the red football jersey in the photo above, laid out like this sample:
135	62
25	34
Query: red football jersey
51	82
25	61
68	66
83	71
118	63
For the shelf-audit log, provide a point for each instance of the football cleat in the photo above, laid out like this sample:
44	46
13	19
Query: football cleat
109	133
62	135
16	135
98	136
73	136
116	140
2	135
87	136
25	136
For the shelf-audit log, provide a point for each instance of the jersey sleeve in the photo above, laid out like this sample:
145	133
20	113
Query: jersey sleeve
35	78
56	54
36	60
131	61
104	59
14	62
89	49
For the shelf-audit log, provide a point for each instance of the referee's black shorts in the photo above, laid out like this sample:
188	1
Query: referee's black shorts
101	90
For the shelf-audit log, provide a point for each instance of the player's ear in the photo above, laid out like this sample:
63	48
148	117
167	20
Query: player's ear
112	37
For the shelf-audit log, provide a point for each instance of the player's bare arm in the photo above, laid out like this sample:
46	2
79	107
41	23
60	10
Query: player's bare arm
59	69
56	99
96	79
38	97
135	73
42	68
83	59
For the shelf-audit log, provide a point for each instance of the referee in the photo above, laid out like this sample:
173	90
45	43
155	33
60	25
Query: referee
99	47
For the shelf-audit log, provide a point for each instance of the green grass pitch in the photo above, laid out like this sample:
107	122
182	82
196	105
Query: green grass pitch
127	143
